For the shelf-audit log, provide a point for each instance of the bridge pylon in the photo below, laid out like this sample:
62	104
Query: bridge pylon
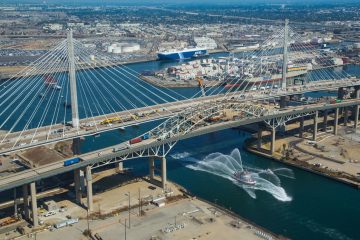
72	78
285	55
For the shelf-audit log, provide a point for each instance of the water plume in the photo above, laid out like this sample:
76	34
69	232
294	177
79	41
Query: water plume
226	165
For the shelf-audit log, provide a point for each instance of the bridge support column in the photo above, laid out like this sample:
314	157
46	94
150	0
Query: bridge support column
325	120
89	189
346	116
315	125
301	130
151	168
283	102
356	93
259	140
35	219
15	203
163	173
25	190
356	115
76	146
336	121
77	186
120	166
341	93
356	107
273	140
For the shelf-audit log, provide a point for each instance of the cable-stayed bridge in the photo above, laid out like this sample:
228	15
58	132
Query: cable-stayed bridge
40	105
73	92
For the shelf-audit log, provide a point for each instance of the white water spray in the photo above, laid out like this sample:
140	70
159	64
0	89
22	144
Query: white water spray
226	165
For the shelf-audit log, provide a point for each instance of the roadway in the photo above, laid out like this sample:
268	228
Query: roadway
31	175
91	126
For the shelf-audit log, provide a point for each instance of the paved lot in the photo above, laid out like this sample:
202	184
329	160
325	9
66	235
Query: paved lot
181	219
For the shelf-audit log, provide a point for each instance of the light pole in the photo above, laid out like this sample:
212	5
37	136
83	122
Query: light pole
88	224
128	194
139	202
125	228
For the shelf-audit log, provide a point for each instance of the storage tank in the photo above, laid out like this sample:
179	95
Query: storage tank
117	50
130	47
110	49
92	57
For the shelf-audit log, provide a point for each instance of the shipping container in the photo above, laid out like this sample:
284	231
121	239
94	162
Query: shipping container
60	225
71	161
72	221
135	140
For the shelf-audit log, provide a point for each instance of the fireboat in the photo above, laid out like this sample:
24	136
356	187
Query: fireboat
244	177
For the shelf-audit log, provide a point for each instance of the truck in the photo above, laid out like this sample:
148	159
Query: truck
71	161
110	120
146	136
135	140
121	147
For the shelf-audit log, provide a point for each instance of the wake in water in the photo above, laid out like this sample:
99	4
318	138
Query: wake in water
227	165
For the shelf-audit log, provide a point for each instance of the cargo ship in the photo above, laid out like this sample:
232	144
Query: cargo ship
186	53
244	177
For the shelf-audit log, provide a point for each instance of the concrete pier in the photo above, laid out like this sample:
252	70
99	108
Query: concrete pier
346	116
301	130
25	190
163	172
336	121
341	93
259	140
120	166
356	107
77	186
325	120
356	116
76	146
283	102
315	129
151	167
34	211
273	139
89	189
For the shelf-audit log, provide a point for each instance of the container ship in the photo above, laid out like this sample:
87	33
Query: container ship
183	54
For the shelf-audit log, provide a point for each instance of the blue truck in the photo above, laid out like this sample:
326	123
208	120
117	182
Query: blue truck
146	136
71	161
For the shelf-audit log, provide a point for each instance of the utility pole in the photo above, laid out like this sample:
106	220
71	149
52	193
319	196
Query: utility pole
139	203
87	219
128	194
125	228
285	55
72	78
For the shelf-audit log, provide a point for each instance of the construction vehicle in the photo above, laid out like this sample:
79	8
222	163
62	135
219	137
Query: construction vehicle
134	117
201	85
8	220
110	120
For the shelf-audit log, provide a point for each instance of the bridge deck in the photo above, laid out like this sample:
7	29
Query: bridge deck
49	170
50	134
